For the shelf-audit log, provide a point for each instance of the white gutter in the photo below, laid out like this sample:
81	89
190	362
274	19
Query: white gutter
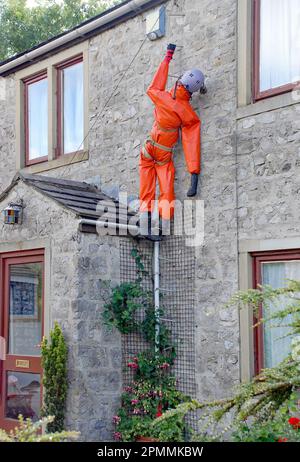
132	228
134	5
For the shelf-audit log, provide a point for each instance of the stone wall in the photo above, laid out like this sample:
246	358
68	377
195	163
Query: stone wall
257	156
206	33
7	131
78	265
268	174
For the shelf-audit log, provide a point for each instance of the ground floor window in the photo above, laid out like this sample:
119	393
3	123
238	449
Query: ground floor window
272	345
21	311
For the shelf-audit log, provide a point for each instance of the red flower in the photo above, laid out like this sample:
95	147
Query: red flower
164	366
133	365
295	422
159	410
282	440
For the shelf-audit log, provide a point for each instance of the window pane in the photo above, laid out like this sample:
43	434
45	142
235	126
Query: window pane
276	344
279	43
73	107
25	309
23	395
38	119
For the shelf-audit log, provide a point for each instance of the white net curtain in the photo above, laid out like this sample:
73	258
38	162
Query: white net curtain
277	344
279	43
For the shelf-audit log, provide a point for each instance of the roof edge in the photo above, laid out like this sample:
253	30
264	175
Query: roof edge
93	26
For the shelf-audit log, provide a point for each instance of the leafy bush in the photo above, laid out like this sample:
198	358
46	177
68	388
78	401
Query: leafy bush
29	432
282	428
260	410
54	362
153	389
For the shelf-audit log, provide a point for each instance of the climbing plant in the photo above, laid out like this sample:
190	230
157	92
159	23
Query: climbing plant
130	308
266	400
54	362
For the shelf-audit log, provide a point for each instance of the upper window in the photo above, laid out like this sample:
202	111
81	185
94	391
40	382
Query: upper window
272	344
67	114
36	119
276	46
70	106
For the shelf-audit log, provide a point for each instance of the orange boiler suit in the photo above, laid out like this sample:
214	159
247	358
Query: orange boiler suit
156	161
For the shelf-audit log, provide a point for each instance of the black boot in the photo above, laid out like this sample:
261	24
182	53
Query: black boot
194	185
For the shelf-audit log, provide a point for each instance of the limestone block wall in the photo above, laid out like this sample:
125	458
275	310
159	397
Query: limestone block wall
249	180
77	267
268	174
7	131
206	34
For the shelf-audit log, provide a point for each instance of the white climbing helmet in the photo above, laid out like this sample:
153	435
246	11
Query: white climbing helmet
193	81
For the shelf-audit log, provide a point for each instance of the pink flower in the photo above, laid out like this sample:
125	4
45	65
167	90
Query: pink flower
116	419
133	365
117	436
134	401
128	389
165	366
136	411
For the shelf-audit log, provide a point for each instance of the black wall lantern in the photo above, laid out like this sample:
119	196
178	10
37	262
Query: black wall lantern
13	214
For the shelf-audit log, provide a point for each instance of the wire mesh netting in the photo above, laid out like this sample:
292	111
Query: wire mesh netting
177	285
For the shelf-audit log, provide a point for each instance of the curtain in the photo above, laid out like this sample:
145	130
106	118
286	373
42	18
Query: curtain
73	107
279	43
38	119
276	344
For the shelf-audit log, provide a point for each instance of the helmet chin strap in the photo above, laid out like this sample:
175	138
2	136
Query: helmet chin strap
175	88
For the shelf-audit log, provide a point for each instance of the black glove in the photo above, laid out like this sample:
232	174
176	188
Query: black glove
170	51
194	185
171	46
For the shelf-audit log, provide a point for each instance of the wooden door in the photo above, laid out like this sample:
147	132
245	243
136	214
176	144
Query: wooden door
22	325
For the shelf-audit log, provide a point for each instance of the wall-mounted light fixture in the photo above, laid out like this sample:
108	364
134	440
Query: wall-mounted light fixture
156	23
13	214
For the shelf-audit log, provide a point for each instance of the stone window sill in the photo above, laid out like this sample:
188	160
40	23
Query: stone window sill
67	159
268	104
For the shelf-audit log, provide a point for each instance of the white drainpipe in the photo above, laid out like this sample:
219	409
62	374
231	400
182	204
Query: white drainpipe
134	5
156	271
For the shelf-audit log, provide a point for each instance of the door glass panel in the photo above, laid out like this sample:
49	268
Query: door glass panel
23	395
277	343
25	309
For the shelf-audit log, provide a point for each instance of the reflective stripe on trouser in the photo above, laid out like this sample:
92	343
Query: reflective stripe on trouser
164	171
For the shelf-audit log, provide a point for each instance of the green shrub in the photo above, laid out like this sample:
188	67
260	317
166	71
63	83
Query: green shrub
54	363
29	432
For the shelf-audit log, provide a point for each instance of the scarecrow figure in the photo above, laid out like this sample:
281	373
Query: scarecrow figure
173	113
